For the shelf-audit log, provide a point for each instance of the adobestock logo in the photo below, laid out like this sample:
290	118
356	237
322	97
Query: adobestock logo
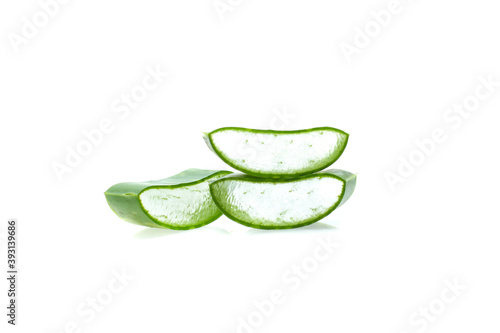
88	310
122	107
292	278
280	120
453	117
31	26
420	320
379	20
222	7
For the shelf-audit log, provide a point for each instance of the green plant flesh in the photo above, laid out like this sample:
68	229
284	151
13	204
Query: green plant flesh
282	204
277	154
180	202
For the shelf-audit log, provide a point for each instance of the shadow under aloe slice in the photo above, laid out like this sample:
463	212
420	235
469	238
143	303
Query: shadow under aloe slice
277	154
282	203
179	202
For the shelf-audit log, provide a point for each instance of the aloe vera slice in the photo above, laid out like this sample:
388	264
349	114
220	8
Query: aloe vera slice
282	203
277	154
179	202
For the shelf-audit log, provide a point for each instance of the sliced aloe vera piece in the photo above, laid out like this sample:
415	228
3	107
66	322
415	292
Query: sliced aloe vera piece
179	202
282	203
277	154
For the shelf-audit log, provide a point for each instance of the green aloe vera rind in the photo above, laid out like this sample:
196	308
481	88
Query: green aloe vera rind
169	202
277	154
247	200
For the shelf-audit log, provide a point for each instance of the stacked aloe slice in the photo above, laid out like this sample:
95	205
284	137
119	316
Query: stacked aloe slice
282	185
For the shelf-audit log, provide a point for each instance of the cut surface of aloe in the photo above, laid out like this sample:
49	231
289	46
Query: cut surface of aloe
282	203
277	154
179	202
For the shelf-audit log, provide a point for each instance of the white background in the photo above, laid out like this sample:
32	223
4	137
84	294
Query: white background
397	248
